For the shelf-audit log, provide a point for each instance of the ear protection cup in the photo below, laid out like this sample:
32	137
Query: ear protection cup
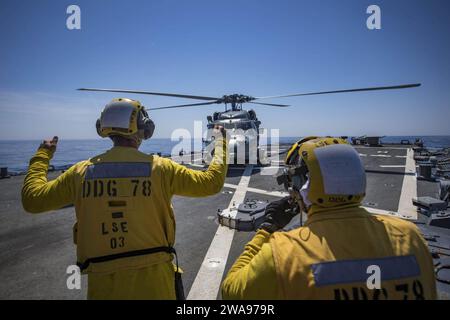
146	125
98	128
149	128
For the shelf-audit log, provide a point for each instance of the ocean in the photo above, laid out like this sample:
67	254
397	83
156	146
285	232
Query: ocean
15	155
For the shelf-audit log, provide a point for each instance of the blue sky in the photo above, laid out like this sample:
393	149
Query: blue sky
220	47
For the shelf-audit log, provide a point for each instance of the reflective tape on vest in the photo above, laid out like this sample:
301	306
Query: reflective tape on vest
107	170
354	271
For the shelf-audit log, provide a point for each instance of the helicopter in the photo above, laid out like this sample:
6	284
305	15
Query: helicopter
243	126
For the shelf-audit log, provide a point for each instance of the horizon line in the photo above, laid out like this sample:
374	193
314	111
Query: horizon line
384	136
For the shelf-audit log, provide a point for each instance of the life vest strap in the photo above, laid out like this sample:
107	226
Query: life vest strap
84	265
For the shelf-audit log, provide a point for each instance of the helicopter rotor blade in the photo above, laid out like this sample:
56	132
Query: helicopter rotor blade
271	104
151	93
183	105
403	86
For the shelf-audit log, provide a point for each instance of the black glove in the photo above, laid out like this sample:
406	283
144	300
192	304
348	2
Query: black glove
278	214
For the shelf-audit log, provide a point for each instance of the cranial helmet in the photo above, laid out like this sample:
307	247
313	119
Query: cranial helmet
330	168
125	117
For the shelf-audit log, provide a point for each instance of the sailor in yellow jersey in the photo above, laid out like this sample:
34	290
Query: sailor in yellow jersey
340	246
125	228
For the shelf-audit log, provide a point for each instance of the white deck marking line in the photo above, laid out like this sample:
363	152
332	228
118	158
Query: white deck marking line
383	147
363	155
400	156
231	186
270	170
269	193
392	166
207	282
240	168
229	168
259	191
283	194
409	188
380	155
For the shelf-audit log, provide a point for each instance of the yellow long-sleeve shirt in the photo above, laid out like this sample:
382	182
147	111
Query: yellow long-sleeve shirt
252	276
150	215
313	261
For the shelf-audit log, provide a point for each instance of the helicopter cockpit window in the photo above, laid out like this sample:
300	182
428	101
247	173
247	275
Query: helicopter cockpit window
242	125
229	125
